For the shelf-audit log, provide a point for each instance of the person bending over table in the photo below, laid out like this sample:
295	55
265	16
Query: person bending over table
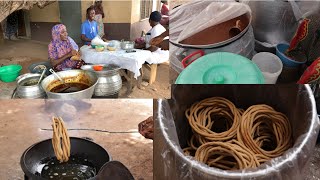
62	48
159	39
156	30
89	28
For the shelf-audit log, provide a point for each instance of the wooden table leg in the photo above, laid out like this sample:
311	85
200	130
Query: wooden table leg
153	73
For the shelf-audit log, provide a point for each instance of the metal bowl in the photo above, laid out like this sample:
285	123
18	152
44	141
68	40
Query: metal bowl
127	45
107	69
71	76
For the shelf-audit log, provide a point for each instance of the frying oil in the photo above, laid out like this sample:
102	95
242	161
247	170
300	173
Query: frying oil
77	168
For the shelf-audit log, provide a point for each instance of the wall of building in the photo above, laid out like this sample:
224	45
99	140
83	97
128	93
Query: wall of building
117	18
49	13
137	24
42	21
122	19
115	11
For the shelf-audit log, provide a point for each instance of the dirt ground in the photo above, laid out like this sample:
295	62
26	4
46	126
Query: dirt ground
24	128
26	52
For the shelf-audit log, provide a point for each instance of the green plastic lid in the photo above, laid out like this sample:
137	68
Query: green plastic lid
221	68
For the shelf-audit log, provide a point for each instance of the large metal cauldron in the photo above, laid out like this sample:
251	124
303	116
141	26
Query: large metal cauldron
28	87
71	76
275	22
172	131
109	82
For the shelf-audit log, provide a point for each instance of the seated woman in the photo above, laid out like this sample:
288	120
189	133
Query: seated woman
61	49
156	30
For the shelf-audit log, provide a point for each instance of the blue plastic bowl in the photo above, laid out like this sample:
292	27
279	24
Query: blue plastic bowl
288	62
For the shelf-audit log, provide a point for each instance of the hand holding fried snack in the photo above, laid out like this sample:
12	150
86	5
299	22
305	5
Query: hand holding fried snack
76	56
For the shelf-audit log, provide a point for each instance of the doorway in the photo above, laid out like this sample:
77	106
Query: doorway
23	30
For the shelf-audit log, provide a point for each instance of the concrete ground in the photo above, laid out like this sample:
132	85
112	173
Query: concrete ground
22	121
26	52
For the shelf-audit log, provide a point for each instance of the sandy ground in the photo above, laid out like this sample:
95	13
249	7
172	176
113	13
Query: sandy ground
22	121
26	52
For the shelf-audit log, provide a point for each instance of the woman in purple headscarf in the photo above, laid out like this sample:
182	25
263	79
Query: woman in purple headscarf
61	49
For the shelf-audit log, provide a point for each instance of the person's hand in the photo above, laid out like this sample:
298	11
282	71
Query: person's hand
156	41
146	128
74	52
139	46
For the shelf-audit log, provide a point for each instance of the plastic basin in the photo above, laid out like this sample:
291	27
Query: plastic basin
270	66
281	49
10	73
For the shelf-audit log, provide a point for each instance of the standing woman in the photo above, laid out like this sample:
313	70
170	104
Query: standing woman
165	13
164	8
99	15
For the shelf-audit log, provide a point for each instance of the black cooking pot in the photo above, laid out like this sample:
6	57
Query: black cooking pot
33	159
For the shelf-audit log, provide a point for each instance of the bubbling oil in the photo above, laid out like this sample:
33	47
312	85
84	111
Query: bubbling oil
77	168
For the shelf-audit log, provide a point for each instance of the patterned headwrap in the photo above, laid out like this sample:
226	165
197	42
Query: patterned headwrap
57	47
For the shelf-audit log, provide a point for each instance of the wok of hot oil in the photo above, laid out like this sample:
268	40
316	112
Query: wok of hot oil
77	168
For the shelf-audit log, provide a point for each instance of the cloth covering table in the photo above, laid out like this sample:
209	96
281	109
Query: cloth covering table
131	61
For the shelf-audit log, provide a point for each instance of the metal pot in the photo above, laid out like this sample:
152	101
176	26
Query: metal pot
172	131
71	76
28	87
242	44
109	82
127	45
